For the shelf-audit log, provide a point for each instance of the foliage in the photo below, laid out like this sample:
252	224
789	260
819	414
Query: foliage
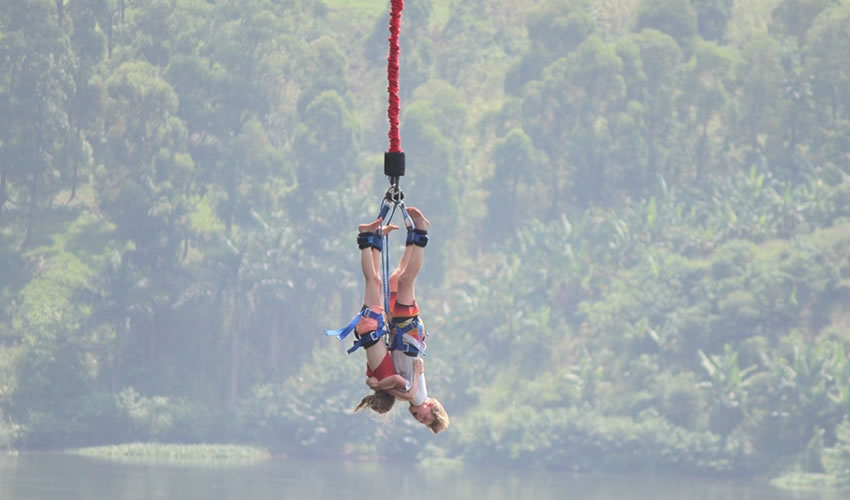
640	240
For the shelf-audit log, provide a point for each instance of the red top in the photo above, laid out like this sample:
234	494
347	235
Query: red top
384	370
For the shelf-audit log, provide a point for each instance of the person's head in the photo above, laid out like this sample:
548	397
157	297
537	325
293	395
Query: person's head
431	414
379	402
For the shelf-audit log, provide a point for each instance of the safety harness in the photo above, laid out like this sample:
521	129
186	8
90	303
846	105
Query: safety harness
366	338
406	343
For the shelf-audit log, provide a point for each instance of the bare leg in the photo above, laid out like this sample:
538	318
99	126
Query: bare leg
370	259
372	293
376	257
408	274
402	264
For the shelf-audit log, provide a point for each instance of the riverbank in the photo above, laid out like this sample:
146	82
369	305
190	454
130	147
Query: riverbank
177	453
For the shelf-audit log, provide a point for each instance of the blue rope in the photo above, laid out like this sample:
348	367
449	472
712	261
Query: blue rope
385	262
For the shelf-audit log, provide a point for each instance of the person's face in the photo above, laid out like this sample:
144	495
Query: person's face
422	413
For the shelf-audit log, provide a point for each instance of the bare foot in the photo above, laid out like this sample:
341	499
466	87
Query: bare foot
419	220
371	227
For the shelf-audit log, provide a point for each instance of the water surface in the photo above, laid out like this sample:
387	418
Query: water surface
66	477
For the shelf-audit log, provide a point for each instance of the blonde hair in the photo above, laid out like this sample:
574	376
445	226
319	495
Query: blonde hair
441	418
380	402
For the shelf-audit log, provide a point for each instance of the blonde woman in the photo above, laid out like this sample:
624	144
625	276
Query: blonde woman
408	331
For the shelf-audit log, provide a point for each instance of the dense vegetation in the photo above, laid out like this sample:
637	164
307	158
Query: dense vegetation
640	253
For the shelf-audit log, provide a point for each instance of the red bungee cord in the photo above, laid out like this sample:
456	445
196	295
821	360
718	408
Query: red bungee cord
392	76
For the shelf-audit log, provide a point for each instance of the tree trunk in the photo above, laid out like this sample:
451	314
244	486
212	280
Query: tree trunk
31	211
109	36
120	327
274	344
76	160
2	193
185	247
152	336
60	11
234	352
652	161
702	146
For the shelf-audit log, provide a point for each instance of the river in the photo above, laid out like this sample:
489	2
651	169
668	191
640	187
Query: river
68	477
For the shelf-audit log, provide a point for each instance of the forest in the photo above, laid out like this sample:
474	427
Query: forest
640	240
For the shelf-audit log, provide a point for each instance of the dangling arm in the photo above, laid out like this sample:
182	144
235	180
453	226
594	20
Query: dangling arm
389	384
419	368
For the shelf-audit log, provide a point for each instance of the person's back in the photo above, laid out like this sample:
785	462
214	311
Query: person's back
404	366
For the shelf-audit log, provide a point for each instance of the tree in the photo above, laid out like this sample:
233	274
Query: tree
677	18
759	73
325	144
712	17
513	187
37	83
119	297
582	93
247	175
825	53
554	30
794	17
144	187
705	94
654	85
85	102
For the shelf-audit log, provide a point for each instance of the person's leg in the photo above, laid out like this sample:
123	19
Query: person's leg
402	264
416	254
372	293
372	296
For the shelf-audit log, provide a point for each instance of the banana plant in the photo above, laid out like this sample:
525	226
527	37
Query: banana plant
727	382
812	385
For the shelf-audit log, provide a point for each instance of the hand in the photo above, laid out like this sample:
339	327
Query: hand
372	382
419	366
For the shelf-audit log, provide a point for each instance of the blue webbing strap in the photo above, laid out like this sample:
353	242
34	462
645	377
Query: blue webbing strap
342	333
372	336
398	343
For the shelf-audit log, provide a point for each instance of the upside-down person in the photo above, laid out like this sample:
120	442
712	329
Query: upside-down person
370	327
408	332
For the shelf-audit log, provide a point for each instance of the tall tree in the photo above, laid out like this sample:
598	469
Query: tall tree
759	73
705	95
37	83
88	47
826	53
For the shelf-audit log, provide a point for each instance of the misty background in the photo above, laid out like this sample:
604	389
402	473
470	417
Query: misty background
640	240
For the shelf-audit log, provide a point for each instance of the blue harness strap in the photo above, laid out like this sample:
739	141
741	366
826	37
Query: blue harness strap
409	346
342	333
370	240
369	338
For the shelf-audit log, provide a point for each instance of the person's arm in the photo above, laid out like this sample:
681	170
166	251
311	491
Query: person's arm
414	384
390	383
